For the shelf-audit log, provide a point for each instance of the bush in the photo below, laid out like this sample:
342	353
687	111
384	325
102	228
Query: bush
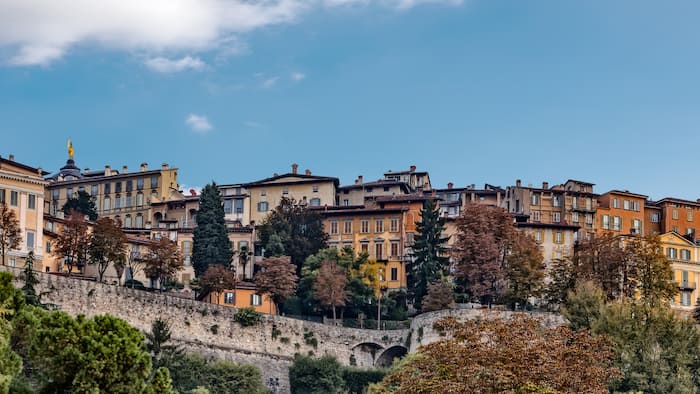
315	375
357	380
194	374
247	317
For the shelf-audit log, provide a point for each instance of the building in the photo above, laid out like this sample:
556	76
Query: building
123	196
266	194
236	203
417	181
685	259
680	216
621	212
355	194
453	200
244	296
22	190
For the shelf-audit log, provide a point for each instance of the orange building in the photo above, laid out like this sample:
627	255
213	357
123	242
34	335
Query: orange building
680	216
244	296
621	213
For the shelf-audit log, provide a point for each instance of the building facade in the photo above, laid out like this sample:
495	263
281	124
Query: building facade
621	212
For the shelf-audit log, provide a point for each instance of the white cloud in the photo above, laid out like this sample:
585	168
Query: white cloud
37	32
165	65
270	82
198	123
297	76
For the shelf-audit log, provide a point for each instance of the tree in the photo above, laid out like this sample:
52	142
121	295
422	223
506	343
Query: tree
73	242
506	355
370	273
163	261
605	262
654	274
83	203
429	258
583	305
159	346
211	242
440	296
107	245
298	229
525	269
10	304
276	278
218	278
135	262
316	376
161	383
30	280
192	372
329	287
10	233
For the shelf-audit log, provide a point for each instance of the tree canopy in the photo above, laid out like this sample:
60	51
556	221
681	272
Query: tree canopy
211	244
163	260
276	278
107	246
81	203
10	234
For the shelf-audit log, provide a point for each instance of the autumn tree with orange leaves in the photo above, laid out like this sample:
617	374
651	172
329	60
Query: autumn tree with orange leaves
329	286
277	278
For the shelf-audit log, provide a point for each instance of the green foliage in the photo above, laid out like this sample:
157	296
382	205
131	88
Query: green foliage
158	343
583	306
211	244
190	372
310	339
30	280
82	203
161	383
315	375
357	380
275	332
214	329
247	317
430	260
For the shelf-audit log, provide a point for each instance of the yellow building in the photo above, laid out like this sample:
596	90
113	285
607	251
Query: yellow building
685	258
267	194
22	189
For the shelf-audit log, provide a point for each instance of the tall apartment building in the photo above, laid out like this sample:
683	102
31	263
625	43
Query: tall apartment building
124	196
621	212
22	190
452	200
236	203
675	214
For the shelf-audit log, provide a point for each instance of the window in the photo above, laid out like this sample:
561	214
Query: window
108	188
557	237
139	199
379	225
139	184
589	218
364	247
534	199
13	262
379	251
30	240
626	205
154	181
615	203
228	206
556	201
285	191
346	202
536	216
674	214
636	226
129	185
14	198
229	298
31	201
672	253
655	217
2	195
139	221
106	204
538	236
117	187
617	223
394	225
315	189
347	227
606	222
589	203
556	217
635	206
262	206
685	298
315	202
186	247
48	246
117	201
364	226
69	192
394	274
54	195
574	217
685	254
574	202
238	206
129	201
689	215
334	227
255	300
93	190
674	228
394	249
127	221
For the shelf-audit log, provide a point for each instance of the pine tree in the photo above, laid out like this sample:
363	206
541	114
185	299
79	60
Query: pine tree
30	280
83	203
211	243
430	259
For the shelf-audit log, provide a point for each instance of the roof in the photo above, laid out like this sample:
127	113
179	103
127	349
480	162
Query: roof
303	179
405	198
678	200
377	183
581	182
562	226
22	166
89	178
359	210
626	193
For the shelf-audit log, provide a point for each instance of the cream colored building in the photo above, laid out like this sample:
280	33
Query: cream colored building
22	189
266	194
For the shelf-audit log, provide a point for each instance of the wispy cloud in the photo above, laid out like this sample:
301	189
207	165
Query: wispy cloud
270	82
252	124
38	32
297	76
165	65
198	123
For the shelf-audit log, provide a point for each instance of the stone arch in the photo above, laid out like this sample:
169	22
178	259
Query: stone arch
389	355
364	354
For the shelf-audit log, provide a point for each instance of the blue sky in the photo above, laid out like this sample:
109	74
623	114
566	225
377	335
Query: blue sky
472	91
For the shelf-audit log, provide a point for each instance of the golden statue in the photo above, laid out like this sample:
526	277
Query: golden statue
71	151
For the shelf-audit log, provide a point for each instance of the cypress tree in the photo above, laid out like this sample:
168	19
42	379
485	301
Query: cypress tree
30	280
430	262
211	243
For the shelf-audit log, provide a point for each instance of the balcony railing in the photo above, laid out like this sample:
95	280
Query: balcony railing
684	285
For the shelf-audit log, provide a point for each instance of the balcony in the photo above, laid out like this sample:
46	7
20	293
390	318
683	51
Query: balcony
686	286
583	209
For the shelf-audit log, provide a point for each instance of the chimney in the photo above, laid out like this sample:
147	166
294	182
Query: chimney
86	170
193	192
295	166
307	172
545	185
517	183
108	171
275	174
164	166
12	157
39	170
359	179
413	168
449	185
125	169
144	167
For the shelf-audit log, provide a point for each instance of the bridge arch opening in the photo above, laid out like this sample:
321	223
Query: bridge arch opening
389	355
